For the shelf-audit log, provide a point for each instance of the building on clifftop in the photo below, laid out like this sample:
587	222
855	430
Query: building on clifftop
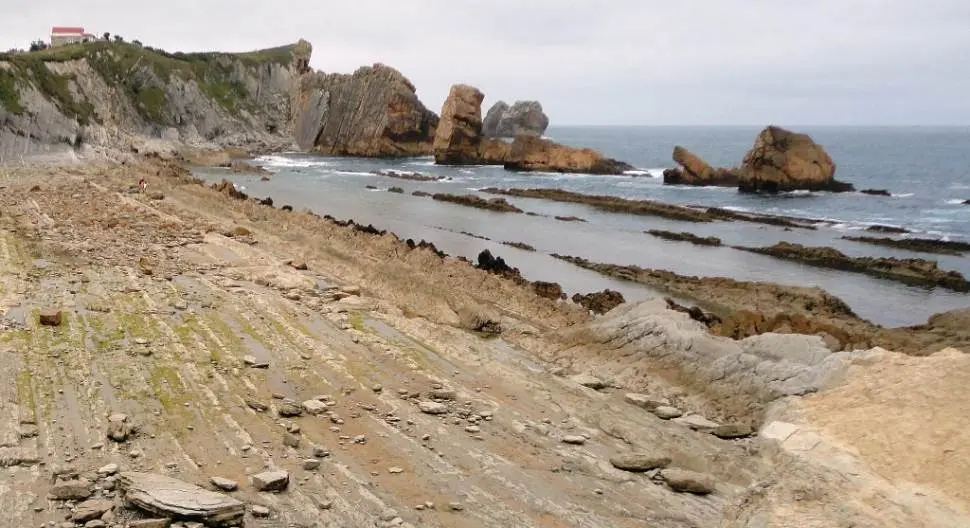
63	35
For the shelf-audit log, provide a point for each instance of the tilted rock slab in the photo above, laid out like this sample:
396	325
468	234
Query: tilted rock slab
372	112
169	497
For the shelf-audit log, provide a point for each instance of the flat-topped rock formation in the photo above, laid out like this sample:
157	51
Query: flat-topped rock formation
695	171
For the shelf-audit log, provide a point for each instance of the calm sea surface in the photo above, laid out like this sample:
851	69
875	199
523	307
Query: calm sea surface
927	170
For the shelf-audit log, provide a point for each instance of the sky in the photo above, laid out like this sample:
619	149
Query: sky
593	62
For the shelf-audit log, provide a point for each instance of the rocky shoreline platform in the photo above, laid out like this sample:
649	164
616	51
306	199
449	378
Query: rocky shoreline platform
194	355
189	355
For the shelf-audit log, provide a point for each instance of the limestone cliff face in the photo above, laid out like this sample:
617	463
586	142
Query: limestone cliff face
373	112
110	97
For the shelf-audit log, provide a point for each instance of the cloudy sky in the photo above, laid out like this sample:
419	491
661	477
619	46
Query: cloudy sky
636	62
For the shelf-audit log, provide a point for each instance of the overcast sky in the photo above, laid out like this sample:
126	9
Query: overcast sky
636	62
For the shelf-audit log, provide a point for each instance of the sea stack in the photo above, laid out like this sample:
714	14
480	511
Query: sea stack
523	117
459	141
781	160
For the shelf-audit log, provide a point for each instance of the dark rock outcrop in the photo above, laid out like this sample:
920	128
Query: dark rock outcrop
611	203
471	200
924	245
531	153
908	271
549	290
523	117
226	187
458	139
373	112
599	302
876	192
886	229
781	160
520	245
496	265
685	237
695	171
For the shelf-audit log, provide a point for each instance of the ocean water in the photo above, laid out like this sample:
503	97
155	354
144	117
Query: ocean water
926	169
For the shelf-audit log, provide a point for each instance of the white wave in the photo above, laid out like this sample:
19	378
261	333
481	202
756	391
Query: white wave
354	173
903	195
736	208
956	201
466	171
430	163
799	192
282	161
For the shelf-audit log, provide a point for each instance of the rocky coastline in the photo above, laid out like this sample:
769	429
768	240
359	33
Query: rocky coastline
923	245
908	271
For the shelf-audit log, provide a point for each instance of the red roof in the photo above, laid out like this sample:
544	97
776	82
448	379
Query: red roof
69	30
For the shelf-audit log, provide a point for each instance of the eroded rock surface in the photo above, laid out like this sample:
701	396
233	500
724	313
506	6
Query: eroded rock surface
523	117
695	171
781	160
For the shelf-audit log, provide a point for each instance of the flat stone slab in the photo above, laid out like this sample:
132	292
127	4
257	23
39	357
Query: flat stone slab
170	497
644	401
688	481
271	480
314	407
430	407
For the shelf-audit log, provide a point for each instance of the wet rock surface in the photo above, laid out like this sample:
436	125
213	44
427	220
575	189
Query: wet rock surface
908	271
923	245
740	309
471	200
532	153
685	237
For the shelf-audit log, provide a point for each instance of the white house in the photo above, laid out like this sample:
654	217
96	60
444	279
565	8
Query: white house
62	35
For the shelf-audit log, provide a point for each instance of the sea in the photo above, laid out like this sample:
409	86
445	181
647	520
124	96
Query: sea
926	170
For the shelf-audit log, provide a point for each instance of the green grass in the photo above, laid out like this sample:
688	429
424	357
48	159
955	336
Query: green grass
151	104
229	95
9	94
54	86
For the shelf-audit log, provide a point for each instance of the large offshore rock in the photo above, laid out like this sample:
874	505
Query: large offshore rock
781	160
373	112
523	117
166	496
458	139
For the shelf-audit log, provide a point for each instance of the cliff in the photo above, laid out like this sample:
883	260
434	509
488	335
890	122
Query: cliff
374	112
112	97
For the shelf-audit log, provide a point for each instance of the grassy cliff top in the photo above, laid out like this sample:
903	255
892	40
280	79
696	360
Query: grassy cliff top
137	68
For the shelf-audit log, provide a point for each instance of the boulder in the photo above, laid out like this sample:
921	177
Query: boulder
549	290
697	423
523	117
119	427
666	412
781	160
599	302
458	139
314	406
695	171
730	431
430	407
374	112
79	489
166	496
271	480
687	481
224	484
50	317
90	510
639	462
532	153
